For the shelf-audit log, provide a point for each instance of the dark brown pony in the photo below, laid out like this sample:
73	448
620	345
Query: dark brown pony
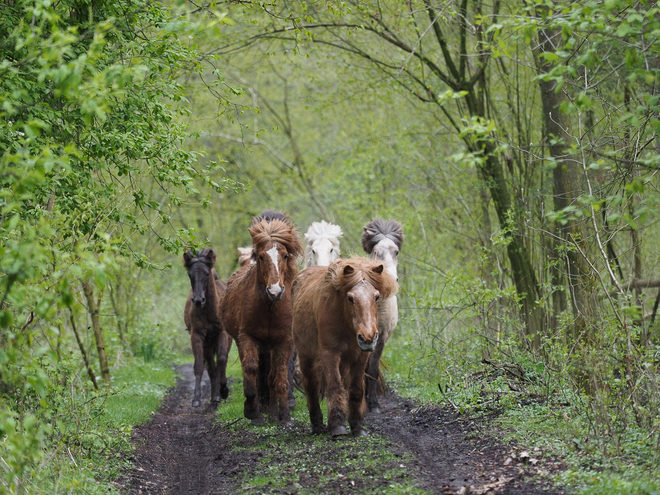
335	328
210	343
256	311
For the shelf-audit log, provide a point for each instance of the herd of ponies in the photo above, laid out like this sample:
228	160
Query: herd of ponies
330	321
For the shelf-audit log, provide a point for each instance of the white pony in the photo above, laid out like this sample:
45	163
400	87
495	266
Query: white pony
382	240
322	244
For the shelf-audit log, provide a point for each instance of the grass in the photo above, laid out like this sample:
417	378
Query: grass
294	460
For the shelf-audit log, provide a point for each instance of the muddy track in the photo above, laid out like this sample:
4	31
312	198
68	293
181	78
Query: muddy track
183	451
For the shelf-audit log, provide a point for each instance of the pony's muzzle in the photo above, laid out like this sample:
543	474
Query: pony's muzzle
199	302
366	346
274	294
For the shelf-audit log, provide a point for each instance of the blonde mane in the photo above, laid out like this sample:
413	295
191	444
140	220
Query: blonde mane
363	269
323	230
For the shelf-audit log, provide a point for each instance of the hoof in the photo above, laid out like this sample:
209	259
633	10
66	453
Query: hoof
195	403
318	429
287	423
359	432
224	392
291	403
251	413
258	421
338	431
375	410
215	401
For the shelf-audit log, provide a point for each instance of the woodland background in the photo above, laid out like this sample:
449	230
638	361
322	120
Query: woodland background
516	141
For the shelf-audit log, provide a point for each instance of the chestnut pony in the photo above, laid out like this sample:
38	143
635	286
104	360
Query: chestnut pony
335	326
201	315
256	311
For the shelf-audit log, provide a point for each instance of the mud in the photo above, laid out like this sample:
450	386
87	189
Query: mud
184	451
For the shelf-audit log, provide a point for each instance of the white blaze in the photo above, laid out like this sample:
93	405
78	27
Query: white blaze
274	255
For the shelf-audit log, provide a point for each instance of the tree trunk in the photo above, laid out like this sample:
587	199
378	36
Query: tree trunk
98	331
524	276
88	367
567	180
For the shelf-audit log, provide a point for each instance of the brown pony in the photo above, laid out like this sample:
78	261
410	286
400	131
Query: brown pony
256	311
208	340
335	328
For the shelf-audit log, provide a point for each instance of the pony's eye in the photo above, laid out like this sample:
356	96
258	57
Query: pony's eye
332	250
377	297
351	300
313	252
286	256
261	258
396	254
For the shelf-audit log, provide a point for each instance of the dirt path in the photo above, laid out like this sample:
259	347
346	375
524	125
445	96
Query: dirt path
183	451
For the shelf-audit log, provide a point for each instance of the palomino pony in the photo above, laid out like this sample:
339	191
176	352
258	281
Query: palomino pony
335	326
382	240
322	243
210	343
245	256
256	311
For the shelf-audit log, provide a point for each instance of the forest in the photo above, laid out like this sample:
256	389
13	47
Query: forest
517	143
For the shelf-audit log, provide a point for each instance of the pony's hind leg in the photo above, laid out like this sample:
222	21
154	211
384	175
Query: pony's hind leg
280	383
249	354
197	345
291	371
311	384
372	377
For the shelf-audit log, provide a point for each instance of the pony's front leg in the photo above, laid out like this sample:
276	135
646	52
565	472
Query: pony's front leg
211	367
311	384
197	345
280	371
224	345
371	377
356	404
335	394
249	353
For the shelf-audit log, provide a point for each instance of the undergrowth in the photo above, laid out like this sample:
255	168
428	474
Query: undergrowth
90	443
594	438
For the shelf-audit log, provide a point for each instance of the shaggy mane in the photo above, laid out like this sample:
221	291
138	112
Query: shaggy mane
364	270
321	230
270	215
379	229
266	232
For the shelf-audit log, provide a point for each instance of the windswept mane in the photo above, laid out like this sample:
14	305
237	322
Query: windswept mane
363	269
379	229
266	232
270	215
323	229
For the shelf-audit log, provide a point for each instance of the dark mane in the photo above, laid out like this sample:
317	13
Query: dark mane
363	270
379	229
270	215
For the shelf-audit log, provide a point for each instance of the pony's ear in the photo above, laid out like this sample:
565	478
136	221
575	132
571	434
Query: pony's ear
378	269
187	258
348	269
211	257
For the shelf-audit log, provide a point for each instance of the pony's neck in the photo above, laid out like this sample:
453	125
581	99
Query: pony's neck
211	289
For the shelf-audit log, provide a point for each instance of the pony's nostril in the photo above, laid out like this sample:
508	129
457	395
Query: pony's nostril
361	338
